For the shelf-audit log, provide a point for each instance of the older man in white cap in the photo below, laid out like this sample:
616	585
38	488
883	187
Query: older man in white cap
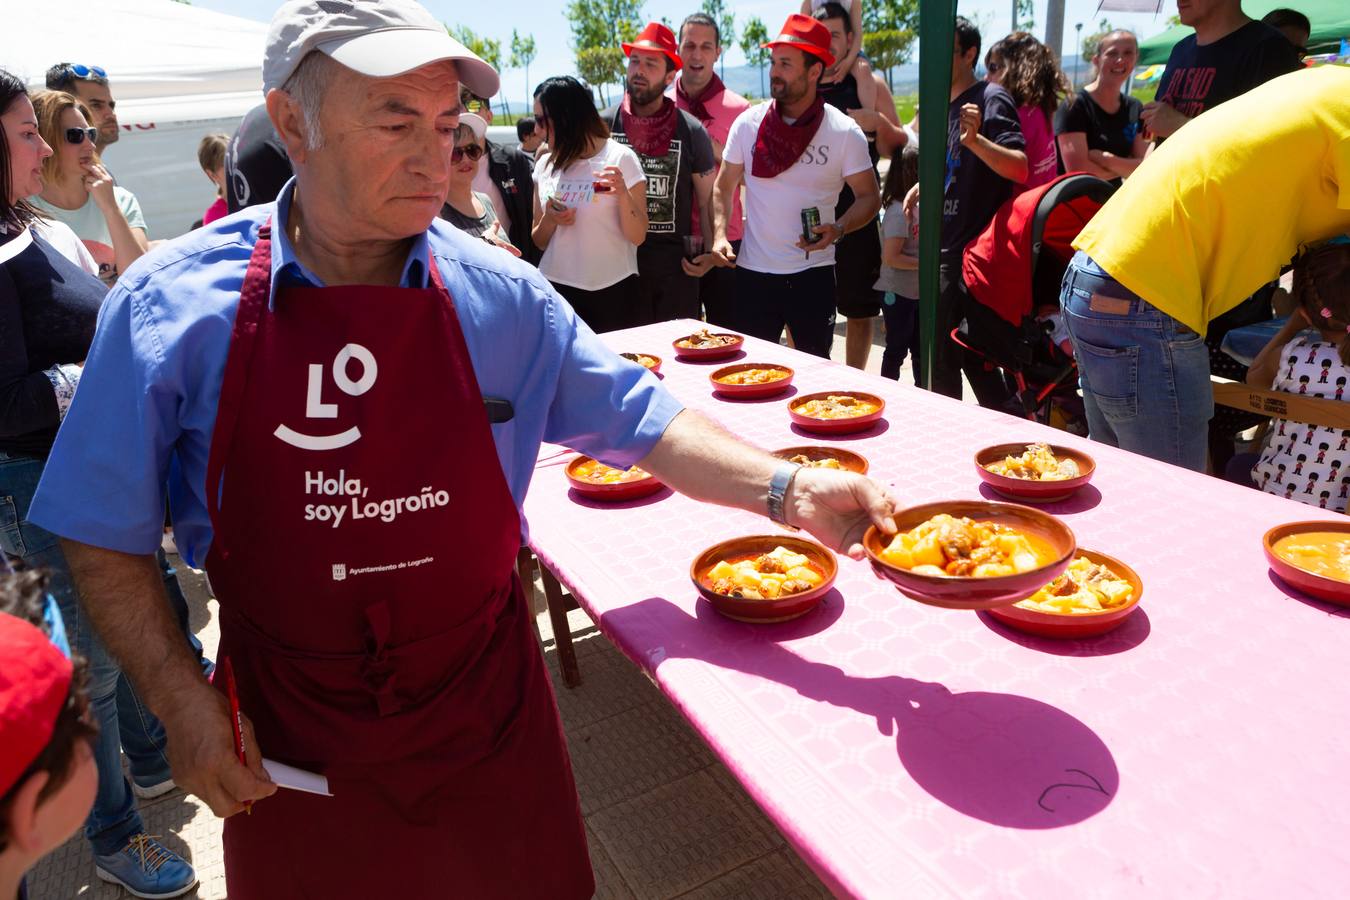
346	399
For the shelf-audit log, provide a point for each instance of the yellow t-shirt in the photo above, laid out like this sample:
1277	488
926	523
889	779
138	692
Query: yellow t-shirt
1230	198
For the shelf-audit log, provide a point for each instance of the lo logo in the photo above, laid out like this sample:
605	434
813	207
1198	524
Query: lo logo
315	408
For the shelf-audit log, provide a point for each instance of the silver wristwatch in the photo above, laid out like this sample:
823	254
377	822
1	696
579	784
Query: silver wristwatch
778	488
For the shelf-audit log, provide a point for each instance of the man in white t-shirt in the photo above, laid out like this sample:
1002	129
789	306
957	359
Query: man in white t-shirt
794	154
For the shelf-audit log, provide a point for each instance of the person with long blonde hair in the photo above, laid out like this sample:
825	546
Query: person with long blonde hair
78	190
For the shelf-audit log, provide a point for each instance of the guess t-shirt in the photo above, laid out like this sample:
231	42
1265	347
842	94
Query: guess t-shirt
670	178
1199	78
773	206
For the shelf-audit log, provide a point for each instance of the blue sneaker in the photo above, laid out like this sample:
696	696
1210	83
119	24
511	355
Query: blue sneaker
147	869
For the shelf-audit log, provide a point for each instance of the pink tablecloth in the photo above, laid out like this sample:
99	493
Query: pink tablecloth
915	752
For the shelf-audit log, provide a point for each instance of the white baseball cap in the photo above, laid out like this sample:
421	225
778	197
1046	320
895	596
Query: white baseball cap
378	38
476	124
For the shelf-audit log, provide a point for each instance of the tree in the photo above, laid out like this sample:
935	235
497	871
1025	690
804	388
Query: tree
522	54
487	49
1026	15
598	28
726	26
888	49
1092	41
601	66
889	30
754	35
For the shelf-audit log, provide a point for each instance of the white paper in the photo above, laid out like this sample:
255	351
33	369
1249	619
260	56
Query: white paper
296	779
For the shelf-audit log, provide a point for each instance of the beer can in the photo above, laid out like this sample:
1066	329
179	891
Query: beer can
810	219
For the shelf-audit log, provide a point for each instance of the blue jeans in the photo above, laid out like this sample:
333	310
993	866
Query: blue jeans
1144	375
124	721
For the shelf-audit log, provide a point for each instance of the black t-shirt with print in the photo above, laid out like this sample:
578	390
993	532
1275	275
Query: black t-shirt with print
670	178
973	192
1113	132
1200	78
256	164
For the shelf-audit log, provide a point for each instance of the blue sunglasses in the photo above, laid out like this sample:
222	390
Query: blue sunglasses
82	71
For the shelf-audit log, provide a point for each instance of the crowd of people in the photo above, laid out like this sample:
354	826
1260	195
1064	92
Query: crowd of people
684	200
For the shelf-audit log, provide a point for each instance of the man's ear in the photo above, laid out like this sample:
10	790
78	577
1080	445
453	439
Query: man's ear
20	817
289	123
670	75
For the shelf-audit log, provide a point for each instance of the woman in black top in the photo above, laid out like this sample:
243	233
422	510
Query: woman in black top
48	310
1098	130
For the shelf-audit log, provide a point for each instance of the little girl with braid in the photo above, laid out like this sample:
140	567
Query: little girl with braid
1310	356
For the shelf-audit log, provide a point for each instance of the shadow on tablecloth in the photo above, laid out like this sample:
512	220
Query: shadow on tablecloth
1002	758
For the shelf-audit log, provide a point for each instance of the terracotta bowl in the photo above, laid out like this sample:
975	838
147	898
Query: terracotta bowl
1319	586
836	426
952	592
622	490
656	367
852	462
1080	625
750	391
763	611
1023	490
722	352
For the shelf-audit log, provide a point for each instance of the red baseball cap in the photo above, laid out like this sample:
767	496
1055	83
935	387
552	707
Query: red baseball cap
34	681
660	39
807	35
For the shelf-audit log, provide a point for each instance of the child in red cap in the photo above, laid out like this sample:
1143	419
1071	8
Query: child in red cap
47	771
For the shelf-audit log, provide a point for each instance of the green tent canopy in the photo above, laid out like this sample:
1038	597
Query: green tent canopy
1330	23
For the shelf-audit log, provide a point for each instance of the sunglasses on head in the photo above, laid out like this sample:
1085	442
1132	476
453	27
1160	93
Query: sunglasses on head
473	151
77	136
82	71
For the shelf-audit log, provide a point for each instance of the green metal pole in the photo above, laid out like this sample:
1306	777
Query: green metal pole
937	31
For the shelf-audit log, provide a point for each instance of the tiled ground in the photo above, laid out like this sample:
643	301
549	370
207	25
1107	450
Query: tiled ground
664	819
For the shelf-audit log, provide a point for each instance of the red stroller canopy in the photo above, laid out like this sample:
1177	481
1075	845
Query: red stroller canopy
999	265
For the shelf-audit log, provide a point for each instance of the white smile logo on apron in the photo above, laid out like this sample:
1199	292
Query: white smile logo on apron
315	408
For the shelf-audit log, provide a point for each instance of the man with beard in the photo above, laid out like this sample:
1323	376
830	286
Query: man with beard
677	158
795	155
90	85
701	93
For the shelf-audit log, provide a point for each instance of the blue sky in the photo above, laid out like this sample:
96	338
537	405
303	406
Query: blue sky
546	21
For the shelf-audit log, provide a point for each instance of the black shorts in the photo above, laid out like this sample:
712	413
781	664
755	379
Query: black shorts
857	266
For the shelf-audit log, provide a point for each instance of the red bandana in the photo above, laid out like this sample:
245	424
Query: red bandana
778	144
695	105
650	135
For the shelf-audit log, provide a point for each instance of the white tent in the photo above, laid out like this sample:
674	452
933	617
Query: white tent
177	73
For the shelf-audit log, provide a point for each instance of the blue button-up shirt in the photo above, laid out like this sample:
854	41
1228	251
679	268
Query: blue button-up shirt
145	410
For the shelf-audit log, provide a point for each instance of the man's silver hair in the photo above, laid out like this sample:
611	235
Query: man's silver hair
306	86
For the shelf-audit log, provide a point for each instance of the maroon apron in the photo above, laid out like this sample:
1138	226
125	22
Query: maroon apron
363	556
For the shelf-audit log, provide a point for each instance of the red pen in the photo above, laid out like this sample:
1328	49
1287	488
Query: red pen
236	721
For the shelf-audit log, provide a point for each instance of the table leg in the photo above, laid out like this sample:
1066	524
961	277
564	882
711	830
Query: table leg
562	633
525	571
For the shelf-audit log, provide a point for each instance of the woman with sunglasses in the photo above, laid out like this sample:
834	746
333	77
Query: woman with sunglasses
467	209
590	209
81	193
1026	68
49	304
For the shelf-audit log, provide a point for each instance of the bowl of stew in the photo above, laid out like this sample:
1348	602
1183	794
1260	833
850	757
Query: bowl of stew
1313	557
764	578
836	412
749	380
592	478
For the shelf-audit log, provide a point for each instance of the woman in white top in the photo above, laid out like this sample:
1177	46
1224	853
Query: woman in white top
590	208
79	191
